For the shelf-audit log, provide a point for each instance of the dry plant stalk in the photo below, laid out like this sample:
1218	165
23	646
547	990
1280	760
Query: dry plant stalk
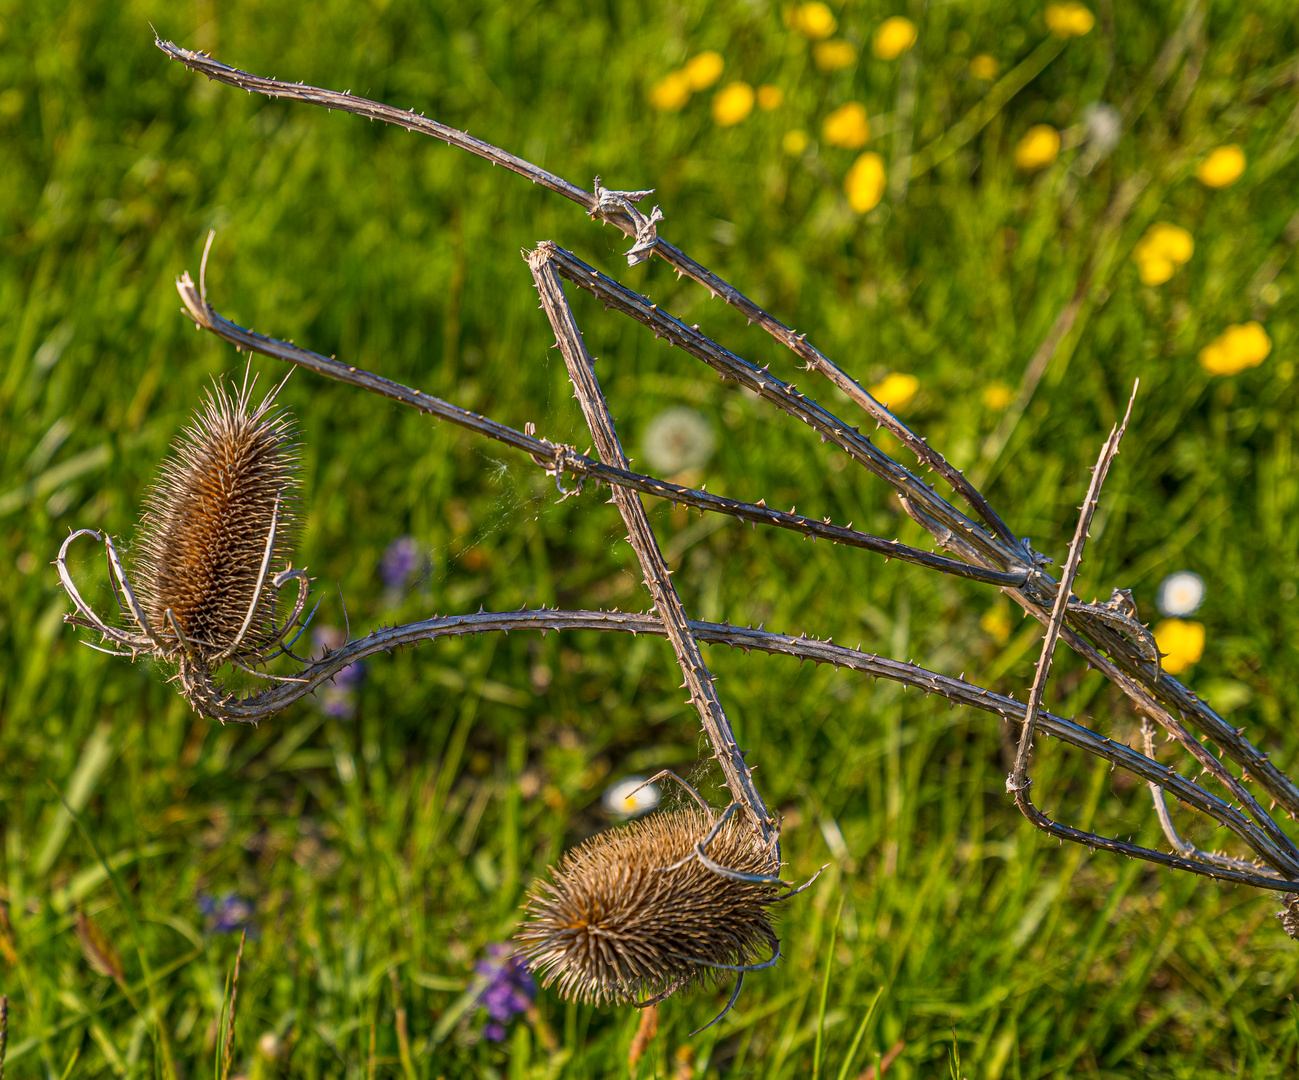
733	881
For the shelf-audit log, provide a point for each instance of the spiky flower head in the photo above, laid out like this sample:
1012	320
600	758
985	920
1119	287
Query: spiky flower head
611	924
201	551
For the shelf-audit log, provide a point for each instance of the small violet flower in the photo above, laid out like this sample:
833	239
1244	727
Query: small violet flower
401	560
509	992
338	699
226	914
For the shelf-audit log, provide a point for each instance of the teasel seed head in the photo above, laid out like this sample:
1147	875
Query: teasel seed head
203	535
612	925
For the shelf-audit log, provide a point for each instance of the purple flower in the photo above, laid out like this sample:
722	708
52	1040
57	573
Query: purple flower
351	676
400	562
339	698
226	914
508	993
336	703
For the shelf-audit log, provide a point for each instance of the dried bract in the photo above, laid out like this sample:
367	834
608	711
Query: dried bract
228	487
632	913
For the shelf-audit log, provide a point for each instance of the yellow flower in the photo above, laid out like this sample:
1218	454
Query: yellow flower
732	103
1038	148
894	37
847	126
794	142
671	92
1182	643
864	186
770	97
834	55
997	395
1222	167
896	390
1069	20
1162	249
813	20
1240	346
996	621
703	70
984	67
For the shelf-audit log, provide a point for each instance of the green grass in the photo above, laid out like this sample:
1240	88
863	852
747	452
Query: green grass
401	841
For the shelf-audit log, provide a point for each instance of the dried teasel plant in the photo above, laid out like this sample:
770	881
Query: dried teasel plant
213	547
1234	775
660	905
217	520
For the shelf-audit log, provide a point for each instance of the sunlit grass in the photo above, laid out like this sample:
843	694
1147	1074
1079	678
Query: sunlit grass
401	840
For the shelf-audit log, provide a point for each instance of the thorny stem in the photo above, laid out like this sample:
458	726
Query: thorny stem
1034	593
1138	679
703	694
817	361
1281	851
970	540
957	691
996	556
1182	847
1019	782
1147	704
603	209
556	457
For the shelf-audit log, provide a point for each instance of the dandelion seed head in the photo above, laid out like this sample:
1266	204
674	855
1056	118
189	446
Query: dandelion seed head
1104	125
677	439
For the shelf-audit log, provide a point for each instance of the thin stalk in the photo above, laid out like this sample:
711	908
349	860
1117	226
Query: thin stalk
703	694
557	458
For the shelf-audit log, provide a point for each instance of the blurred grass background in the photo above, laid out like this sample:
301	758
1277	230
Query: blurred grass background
400	840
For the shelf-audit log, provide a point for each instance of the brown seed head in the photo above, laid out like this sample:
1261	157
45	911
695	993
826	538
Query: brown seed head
207	518
611	925
97	947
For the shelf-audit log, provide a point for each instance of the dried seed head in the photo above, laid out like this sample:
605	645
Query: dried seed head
207	519
97	947
611	925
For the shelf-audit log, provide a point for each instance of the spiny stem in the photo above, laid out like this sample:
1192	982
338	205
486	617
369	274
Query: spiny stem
703	694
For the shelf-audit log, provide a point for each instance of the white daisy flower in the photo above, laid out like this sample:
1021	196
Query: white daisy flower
623	801
1180	594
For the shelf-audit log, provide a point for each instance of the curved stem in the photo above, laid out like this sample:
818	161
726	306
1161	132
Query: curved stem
211	701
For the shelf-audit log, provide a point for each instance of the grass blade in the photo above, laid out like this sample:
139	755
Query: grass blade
158	1028
825	992
846	1067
